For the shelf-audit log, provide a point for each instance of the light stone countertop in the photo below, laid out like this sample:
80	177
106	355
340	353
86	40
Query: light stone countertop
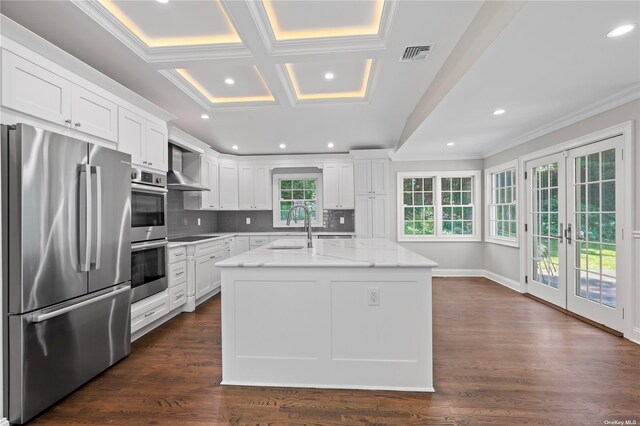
353	253
223	235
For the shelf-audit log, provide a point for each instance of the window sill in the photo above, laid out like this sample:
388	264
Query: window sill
508	243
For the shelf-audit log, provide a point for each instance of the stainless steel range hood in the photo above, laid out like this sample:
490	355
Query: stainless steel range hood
175	178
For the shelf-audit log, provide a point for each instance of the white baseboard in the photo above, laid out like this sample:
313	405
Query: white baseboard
324	386
437	272
635	336
507	282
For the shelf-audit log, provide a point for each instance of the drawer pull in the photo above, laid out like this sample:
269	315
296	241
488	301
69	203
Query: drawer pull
179	254
179	296
148	314
179	274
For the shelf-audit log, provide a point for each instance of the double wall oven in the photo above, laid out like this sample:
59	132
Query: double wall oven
148	233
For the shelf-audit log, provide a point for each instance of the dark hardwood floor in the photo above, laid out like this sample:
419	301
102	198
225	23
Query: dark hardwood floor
499	358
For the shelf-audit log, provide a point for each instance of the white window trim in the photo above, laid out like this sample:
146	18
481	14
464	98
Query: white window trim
277	222
488	238
476	176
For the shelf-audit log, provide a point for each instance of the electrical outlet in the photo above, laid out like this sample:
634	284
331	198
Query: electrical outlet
248	221
342	221
198	221
373	296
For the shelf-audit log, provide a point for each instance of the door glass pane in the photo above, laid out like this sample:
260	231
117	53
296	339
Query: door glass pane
545	220
595	265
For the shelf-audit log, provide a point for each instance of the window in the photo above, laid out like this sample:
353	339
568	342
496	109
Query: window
502	199
439	206
300	189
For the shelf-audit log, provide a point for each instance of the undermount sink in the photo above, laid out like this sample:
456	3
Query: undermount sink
287	244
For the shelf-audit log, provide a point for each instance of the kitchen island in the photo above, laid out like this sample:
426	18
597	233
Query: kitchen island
352	314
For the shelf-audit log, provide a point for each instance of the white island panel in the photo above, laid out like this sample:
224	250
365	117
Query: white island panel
291	319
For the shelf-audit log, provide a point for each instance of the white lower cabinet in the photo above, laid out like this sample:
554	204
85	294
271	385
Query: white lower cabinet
371	216
242	244
148	310
204	283
177	296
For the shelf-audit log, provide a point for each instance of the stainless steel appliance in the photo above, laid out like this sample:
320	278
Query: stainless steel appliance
176	178
66	265
148	205
148	268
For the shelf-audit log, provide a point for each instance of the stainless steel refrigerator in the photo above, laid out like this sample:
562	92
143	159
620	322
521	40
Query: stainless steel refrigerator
66	265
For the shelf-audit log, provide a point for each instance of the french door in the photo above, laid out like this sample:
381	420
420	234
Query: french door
574	206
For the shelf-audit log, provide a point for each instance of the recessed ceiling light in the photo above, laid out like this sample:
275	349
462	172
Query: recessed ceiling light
229	81
621	30
234	147
163	1
282	146
205	116
451	144
329	76
499	112
330	145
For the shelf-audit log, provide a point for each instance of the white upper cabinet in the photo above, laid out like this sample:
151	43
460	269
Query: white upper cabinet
36	91
147	142
131	135
93	114
362	175
157	146
205	200
42	93
371	176
33	90
228	185
379	176
254	187
337	186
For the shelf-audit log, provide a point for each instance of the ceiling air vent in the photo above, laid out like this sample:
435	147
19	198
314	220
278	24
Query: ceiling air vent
416	53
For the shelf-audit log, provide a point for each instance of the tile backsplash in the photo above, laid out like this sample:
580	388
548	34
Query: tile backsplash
262	221
181	222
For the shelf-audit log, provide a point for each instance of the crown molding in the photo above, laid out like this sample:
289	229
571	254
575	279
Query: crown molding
209	106
624	96
394	156
158	54
286	83
322	44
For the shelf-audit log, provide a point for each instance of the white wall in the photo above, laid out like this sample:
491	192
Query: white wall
449	255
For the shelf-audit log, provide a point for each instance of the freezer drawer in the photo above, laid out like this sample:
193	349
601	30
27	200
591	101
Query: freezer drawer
55	350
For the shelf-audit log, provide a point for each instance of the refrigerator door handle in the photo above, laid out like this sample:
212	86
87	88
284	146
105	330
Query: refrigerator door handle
97	255
84	235
49	315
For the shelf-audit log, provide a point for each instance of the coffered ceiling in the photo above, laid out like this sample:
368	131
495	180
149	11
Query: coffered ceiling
306	73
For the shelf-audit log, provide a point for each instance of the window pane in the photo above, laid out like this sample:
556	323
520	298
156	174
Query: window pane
407	184
298	194
408	199
446	184
297	184
446	198
285	184
609	164
408	213
286	195
428	184
310	184
455	184
466	198
466	184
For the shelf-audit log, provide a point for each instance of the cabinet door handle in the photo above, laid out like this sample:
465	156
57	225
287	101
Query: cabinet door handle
77	124
149	314
68	121
150	163
179	274
179	254
144	162
212	257
179	296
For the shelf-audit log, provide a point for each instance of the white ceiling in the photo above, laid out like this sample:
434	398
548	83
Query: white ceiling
552	61
305	127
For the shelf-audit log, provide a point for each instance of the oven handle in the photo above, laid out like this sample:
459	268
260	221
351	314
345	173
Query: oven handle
144	246
148	188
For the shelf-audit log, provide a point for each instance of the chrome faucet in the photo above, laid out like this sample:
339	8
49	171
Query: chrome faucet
307	222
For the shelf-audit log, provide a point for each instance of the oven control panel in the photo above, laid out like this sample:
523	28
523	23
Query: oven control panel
148	178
